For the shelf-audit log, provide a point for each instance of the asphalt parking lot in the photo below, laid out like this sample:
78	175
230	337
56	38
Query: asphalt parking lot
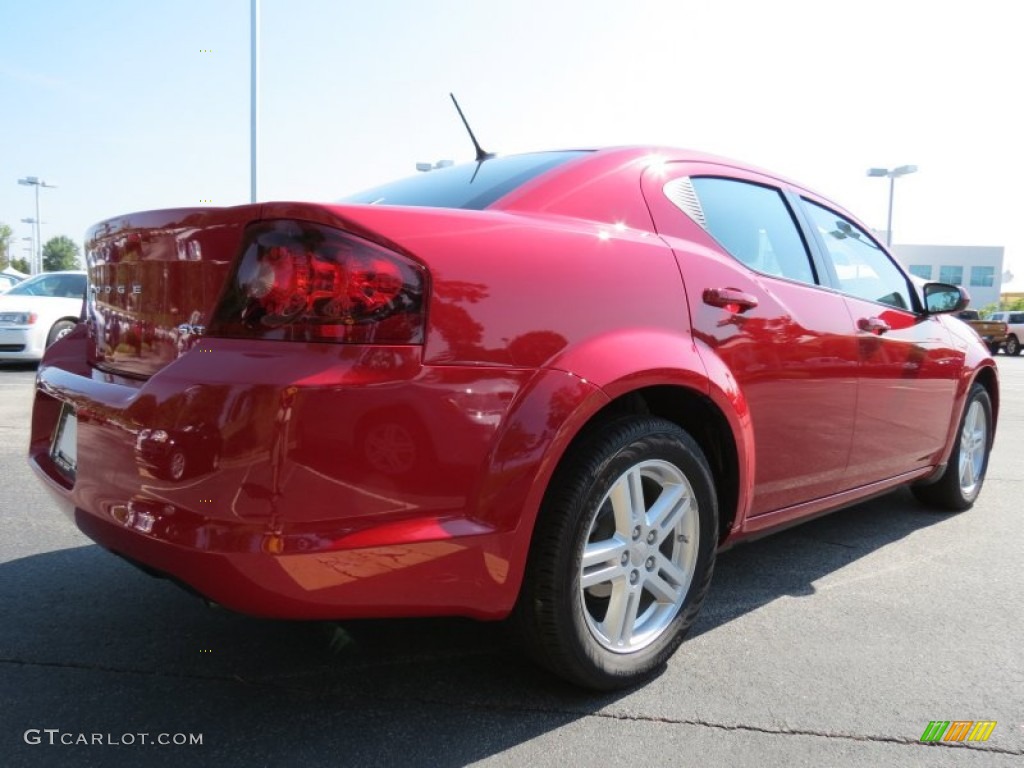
833	643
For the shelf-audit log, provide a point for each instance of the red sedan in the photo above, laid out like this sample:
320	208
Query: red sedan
550	386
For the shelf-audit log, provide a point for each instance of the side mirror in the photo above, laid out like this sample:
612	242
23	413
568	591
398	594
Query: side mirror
943	297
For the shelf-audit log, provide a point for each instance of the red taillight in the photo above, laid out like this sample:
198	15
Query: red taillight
306	282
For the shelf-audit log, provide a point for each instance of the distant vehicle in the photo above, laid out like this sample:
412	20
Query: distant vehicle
993	332
1015	329
547	386
8	281
38	311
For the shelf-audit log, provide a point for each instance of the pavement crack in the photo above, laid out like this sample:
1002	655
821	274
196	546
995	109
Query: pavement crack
782	731
766	730
562	711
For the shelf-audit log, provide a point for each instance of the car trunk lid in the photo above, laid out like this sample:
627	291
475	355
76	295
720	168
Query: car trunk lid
154	279
160	280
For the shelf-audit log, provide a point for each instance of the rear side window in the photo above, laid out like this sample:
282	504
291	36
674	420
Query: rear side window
472	185
755	225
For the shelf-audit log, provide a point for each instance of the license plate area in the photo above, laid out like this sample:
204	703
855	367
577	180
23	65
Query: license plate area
64	448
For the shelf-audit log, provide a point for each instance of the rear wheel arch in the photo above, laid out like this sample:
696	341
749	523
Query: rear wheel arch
697	414
555	411
623	553
717	435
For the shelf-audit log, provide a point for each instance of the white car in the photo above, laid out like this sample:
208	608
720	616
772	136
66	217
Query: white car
38	311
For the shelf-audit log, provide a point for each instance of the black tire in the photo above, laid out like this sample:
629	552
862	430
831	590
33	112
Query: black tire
59	330
960	484
1012	346
570	629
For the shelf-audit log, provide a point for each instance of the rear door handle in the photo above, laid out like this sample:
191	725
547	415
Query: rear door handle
875	325
731	299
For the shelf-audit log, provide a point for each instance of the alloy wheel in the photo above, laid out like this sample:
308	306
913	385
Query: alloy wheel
973	448
640	556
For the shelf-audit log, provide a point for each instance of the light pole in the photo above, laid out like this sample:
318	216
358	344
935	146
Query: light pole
34	239
33	181
893	174
254	94
31	248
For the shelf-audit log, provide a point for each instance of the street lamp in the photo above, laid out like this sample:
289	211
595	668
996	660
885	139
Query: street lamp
893	174
34	181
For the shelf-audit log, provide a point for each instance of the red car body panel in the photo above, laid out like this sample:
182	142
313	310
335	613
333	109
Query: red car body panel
351	480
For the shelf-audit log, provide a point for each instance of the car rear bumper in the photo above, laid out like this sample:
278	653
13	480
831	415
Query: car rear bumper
290	519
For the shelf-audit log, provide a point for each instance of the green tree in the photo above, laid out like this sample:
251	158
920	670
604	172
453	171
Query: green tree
6	233
60	253
21	265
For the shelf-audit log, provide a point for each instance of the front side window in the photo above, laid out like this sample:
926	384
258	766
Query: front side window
863	269
983	277
754	224
950	274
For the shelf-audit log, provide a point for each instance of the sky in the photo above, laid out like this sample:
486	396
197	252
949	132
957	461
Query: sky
144	104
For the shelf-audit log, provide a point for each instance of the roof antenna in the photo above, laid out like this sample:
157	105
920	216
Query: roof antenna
480	154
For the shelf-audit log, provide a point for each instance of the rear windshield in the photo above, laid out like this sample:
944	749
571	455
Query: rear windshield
473	185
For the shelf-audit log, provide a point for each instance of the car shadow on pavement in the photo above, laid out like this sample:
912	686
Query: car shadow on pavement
90	646
787	564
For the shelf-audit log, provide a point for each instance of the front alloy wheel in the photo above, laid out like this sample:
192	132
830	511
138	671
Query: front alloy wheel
973	452
622	554
961	482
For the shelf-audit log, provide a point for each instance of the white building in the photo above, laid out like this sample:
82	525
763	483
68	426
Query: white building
979	268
